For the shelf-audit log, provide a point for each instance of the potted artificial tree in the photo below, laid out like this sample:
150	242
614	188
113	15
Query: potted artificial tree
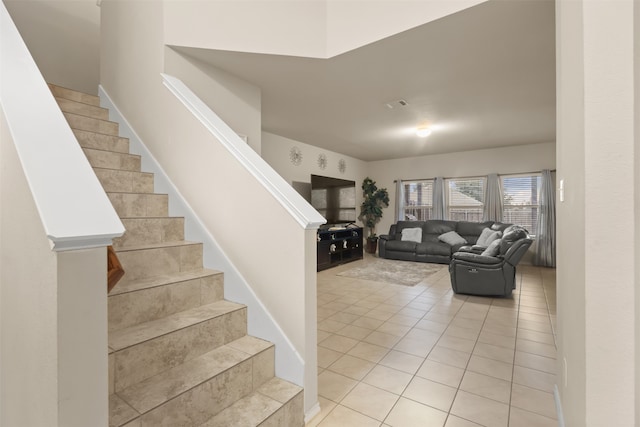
375	199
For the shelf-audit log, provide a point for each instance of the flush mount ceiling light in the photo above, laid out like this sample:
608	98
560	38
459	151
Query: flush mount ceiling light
423	132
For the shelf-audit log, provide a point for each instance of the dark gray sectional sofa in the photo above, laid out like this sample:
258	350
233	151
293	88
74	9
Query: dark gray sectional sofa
431	249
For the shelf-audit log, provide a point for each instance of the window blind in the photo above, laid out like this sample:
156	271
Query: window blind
521	195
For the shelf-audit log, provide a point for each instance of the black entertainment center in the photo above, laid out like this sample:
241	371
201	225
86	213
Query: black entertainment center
340	240
339	245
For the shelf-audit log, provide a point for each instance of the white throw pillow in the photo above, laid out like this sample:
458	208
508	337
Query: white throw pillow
412	235
452	238
487	236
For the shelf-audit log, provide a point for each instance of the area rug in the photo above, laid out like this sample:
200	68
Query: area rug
406	273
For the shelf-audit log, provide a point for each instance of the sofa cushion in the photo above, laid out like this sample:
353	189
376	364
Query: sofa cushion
401	246
510	235
492	249
466	228
487	236
401	225
452	238
438	226
412	234
431	248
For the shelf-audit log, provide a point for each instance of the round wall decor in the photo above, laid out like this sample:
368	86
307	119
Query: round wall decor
295	155
342	166
322	161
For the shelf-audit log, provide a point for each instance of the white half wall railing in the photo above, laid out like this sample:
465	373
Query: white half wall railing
73	207
294	203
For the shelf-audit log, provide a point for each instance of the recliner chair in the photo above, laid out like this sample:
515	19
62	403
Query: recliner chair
477	274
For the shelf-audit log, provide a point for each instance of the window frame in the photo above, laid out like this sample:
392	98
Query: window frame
469	207
427	208
533	228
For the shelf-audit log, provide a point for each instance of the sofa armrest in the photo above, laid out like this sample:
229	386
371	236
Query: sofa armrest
476	258
385	237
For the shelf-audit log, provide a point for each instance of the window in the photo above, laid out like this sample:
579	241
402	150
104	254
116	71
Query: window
520	196
418	200
465	198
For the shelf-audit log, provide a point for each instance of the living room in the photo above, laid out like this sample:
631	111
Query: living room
584	326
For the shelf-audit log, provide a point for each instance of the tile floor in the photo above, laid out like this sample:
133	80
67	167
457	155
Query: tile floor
393	355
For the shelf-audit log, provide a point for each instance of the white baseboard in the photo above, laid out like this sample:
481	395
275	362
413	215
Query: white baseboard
311	413
556	397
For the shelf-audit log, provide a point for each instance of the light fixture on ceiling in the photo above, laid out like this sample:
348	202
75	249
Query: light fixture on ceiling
423	132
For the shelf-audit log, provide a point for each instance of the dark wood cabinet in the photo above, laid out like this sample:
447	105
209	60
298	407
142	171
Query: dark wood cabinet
339	246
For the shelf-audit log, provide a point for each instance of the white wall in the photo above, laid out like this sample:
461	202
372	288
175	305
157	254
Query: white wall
505	160
64	38
236	101
597	147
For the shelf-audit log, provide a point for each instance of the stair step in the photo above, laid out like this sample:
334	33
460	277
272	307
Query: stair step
147	349
100	141
148	230
76	107
158	297
74	95
276	403
193	392
76	121
139	204
112	160
159	259
122	181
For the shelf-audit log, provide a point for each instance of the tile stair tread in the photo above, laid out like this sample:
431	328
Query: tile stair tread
120	412
167	279
66	113
166	385
258	406
142	332
66	105
94	100
109	151
124	171
155	245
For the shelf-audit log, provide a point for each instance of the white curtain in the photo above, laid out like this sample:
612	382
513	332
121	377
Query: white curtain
438	199
399	206
546	238
492	199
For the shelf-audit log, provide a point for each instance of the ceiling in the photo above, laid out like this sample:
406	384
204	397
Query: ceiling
480	78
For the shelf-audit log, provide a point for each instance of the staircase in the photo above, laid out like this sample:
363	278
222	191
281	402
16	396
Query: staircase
179	354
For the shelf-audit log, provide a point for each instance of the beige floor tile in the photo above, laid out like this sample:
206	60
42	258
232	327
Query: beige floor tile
355	332
535	326
490	367
341	416
338	343
352	367
432	326
344	317
379	314
407	413
494	352
453	421
402	361
485	386
394	329
481	410
532	400
460	332
367	322
450	357
370	400
388	379
330	325
521	418
354	309
381	339
327	356
430	393
454	343
322	335
371	352
414	346
534	379
536	336
533	361
497	329
463	322
334	386
498	340
441	373
439	318
540	349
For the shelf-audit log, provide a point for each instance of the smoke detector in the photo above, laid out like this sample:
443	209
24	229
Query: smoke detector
399	103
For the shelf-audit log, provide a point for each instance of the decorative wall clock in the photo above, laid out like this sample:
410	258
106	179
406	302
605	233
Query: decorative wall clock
342	165
295	155
322	161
